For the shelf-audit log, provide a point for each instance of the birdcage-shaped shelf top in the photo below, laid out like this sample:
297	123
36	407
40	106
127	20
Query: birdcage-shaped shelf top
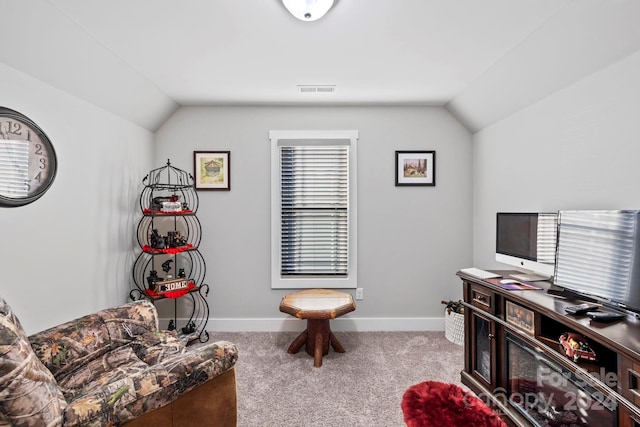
168	191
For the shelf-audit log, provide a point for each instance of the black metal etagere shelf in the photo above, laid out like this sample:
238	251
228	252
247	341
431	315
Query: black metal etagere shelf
170	266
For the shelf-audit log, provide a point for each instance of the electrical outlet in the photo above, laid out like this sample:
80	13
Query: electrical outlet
359	293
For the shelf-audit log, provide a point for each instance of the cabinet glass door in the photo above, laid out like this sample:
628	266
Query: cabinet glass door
483	344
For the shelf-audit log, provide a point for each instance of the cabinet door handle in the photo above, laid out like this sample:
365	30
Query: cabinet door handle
491	336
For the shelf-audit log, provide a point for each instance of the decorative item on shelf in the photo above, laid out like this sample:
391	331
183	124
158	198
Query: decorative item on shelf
174	285
166	266
454	321
153	279
190	328
171	207
520	317
167	204
156	240
173	239
575	346
172	289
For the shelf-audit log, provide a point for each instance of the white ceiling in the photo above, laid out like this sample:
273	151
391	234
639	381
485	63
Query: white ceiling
483	59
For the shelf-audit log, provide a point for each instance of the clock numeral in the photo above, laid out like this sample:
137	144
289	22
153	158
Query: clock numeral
39	149
14	127
43	163
38	177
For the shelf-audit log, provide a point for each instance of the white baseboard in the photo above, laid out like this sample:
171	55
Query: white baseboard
343	324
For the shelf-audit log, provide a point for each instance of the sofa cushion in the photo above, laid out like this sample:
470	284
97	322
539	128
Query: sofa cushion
118	397
110	367
65	347
154	347
148	349
29	394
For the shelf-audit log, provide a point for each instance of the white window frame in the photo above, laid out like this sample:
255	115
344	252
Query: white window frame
329	282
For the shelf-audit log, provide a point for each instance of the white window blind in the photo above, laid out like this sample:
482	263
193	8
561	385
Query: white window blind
313	209
314	200
546	238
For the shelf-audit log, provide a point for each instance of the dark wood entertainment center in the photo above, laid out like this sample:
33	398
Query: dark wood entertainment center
515	362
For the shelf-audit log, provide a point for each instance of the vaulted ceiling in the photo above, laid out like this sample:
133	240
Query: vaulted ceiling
481	59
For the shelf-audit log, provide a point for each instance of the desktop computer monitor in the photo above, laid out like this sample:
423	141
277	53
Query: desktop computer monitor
527	241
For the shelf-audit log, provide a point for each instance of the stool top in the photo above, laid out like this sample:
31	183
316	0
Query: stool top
317	304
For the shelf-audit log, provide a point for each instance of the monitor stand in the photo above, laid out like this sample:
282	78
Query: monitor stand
557	291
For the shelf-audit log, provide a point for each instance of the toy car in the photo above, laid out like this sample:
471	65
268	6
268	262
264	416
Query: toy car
576	347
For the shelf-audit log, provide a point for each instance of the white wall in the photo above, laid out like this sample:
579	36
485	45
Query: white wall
69	253
576	149
411	240
581	38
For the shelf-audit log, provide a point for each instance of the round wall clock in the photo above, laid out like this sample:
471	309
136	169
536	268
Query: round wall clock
27	160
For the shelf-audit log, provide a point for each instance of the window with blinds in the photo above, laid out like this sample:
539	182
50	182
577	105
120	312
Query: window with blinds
314	200
313	209
546	238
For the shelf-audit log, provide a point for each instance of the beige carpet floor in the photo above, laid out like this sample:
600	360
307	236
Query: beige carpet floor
362	387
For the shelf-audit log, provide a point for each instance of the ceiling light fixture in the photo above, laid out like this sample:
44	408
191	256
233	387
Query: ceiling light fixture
309	10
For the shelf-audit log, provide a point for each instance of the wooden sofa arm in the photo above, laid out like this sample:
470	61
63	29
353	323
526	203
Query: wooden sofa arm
214	401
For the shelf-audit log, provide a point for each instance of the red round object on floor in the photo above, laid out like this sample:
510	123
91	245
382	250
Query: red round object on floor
436	404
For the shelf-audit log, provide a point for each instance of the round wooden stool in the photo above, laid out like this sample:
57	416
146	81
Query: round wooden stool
318	306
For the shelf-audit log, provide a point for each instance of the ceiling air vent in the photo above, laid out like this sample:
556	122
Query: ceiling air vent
326	88
316	88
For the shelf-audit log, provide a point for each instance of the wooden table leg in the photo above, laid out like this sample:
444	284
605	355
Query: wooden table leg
337	346
318	339
317	355
297	344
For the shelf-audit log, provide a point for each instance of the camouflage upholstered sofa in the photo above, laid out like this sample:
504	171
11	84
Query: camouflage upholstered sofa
112	368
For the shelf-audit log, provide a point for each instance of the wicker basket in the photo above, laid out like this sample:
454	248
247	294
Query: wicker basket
454	327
